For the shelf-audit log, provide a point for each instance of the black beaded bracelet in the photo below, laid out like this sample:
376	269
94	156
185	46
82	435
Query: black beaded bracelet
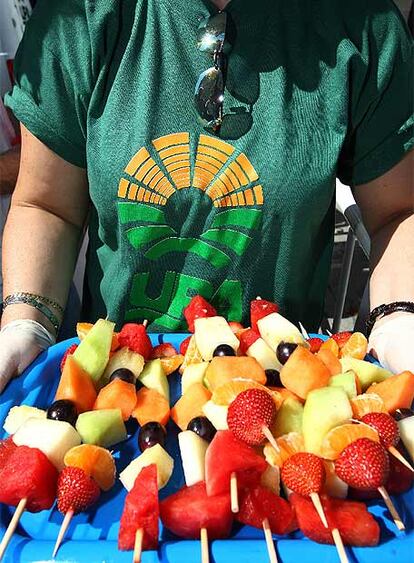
388	309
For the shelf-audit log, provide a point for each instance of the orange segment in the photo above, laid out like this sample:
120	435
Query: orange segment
171	363
332	346
365	403
192	356
82	330
356	347
97	462
340	437
289	444
226	393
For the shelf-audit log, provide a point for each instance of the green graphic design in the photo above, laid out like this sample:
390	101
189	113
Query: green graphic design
139	236
237	241
244	218
203	249
129	212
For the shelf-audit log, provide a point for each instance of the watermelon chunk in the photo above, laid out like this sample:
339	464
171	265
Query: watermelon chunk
141	511
27	473
355	524
259	503
260	308
225	455
247	338
6	449
198	308
190	509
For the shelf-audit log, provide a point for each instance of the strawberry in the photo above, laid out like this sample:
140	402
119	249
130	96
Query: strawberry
68	352
364	464
341	338
75	490
315	344
135	337
247	338
184	345
386	427
250	411
198	308
260	308
165	350
304	473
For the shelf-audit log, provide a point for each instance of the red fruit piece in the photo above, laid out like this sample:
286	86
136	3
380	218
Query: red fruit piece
68	352
236	326
141	511
341	338
75	490
247	338
259	503
184	345
27	473
386	427
315	344
304	473
190	509
363	464
165	350
6	449
198	308
135	337
260	308
249	413
225	455
355	524
400	478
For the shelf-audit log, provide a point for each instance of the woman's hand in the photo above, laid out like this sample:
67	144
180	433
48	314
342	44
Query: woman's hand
391	341
21	341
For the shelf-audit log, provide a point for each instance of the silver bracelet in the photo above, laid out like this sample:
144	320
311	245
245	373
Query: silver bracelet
41	298
33	301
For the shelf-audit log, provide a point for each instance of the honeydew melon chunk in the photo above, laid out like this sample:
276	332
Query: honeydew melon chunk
123	358
217	415
346	381
334	486
156	454
210	332
193	455
153	377
367	372
53	437
263	354
103	427
406	426
289	418
324	409
274	329
92	354
18	415
193	373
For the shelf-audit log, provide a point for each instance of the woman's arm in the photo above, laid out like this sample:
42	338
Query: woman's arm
44	227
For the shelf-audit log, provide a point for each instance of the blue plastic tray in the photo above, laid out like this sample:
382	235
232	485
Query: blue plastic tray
92	536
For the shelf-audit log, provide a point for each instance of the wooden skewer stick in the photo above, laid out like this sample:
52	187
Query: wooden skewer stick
328	332
303	331
139	536
395	516
12	526
145	323
319	508
339	544
205	556
63	529
393	451
234	495
271	550
271	439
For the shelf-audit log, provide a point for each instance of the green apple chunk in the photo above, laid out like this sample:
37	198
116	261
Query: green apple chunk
103	427
194	373
288	418
347	381
92	354
367	373
153	377
324	409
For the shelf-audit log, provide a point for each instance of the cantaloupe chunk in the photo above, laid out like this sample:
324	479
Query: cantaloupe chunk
76	385
397	391
304	372
225	368
330	360
286	394
117	394
190	405
151	406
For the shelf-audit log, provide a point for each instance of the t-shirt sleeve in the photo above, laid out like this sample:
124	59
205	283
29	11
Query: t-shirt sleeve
381	103
53	78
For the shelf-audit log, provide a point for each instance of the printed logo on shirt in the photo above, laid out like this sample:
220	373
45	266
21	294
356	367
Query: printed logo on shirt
154	191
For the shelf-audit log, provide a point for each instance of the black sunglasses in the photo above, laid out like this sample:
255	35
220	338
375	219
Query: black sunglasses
209	90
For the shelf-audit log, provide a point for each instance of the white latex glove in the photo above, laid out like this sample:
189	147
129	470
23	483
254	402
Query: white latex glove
392	342
21	342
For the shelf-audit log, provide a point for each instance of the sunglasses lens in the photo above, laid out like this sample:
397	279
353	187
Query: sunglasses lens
211	33
209	96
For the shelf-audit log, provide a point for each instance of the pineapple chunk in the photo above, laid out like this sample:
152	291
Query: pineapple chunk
210	332
193	452
18	415
263	354
157	455
123	358
217	415
275	329
194	373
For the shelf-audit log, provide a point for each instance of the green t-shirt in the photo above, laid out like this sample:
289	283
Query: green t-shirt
315	88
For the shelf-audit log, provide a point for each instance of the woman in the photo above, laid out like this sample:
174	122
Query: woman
292	94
